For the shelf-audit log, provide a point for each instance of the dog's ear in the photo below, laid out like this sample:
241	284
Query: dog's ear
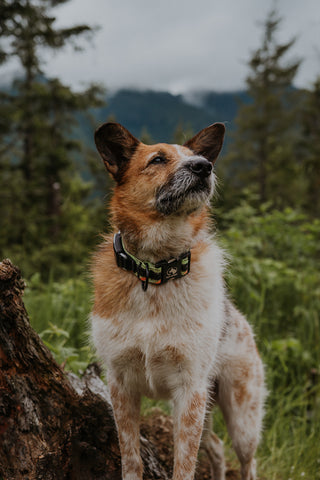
116	146
208	142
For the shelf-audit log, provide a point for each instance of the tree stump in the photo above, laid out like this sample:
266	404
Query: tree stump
53	425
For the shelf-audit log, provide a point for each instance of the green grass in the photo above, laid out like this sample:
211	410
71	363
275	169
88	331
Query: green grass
274	279
59	312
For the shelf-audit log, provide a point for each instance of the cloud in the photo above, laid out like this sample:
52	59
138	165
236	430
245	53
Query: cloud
180	45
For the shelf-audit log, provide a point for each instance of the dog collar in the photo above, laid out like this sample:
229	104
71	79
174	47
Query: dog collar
147	272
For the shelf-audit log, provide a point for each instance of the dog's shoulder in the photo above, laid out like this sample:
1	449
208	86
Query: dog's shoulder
111	283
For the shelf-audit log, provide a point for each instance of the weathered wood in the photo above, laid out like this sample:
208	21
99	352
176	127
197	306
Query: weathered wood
52	425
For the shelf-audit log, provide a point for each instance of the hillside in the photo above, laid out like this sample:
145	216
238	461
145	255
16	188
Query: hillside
156	113
161	112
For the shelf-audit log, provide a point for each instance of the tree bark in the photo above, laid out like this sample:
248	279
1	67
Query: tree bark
53	425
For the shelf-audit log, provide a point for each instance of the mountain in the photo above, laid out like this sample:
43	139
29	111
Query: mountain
159	113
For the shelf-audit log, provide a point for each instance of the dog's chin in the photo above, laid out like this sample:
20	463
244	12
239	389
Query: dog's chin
174	202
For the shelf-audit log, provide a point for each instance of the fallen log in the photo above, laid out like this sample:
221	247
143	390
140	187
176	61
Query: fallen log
53	425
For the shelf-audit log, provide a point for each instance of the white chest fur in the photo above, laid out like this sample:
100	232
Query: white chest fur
168	335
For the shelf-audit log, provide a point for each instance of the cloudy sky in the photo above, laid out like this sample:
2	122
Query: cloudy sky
178	45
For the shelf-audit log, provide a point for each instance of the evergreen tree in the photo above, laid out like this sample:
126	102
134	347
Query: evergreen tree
39	149
145	136
310	143
25	27
182	134
264	149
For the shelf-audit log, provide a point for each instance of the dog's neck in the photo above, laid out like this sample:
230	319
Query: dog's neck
163	239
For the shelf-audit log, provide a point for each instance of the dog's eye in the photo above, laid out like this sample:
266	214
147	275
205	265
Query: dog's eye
158	160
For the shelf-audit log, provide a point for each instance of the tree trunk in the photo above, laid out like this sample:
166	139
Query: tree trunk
52	425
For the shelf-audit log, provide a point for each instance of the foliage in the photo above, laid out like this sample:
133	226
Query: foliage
145	137
264	149
310	147
273	279
59	312
182	134
39	153
276	252
28	25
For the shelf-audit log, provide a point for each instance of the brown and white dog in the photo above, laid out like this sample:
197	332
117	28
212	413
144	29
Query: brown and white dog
162	322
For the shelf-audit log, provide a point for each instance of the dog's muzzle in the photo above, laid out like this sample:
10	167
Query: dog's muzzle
200	167
189	187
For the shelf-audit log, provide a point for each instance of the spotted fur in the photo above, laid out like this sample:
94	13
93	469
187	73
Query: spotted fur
183	340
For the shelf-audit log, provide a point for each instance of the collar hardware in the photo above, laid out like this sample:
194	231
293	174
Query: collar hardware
147	272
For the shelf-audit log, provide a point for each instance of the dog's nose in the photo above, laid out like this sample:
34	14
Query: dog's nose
200	167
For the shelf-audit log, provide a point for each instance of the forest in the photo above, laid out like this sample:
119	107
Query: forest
54	205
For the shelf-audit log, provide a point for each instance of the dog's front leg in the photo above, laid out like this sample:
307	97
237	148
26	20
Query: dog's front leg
189	414
126	409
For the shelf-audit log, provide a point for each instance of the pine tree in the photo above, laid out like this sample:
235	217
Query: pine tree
182	134
310	151
145	136
38	133
25	27
263	150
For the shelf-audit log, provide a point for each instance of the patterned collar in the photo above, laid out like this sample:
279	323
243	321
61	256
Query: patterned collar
154	273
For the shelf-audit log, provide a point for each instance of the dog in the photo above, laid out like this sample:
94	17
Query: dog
162	322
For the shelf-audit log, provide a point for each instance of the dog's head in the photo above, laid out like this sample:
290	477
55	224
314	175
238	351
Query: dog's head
161	179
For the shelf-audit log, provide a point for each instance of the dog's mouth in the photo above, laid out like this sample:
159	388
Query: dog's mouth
185	192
